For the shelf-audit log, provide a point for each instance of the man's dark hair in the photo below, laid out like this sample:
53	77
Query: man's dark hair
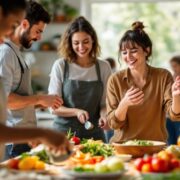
36	13
12	6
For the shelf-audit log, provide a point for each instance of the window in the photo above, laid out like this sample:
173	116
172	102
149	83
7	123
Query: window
112	18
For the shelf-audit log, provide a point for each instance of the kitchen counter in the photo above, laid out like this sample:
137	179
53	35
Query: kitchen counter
44	118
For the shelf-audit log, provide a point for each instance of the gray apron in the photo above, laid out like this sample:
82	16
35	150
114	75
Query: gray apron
84	95
26	116
2	114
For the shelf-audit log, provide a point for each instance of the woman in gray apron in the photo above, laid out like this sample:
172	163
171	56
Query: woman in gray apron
80	78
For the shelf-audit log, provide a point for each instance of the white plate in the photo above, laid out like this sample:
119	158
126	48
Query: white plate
124	157
75	174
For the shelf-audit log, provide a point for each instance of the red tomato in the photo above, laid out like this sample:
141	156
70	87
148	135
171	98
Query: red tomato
139	163
146	168
76	140
160	165
98	158
92	161
13	163
148	159
174	163
165	155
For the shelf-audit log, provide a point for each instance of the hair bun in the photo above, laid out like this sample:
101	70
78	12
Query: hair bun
138	26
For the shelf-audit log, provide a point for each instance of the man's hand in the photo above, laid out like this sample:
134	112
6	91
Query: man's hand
53	101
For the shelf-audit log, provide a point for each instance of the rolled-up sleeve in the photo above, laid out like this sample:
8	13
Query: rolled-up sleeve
168	98
112	102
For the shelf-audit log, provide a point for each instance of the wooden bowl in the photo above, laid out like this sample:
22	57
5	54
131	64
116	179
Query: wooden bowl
137	150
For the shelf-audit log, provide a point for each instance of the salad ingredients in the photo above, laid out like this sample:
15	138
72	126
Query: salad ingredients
13	163
111	164
115	164
76	140
138	143
97	148
26	163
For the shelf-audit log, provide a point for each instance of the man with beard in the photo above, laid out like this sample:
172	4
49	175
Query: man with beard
16	74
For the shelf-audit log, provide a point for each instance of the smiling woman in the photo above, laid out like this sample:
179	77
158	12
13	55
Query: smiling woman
80	78
140	95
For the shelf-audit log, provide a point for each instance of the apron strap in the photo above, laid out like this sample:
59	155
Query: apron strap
66	70
98	71
21	66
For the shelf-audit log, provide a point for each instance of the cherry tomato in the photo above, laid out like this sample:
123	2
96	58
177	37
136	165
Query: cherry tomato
147	159
139	163
160	165
13	163
174	163
76	140
146	168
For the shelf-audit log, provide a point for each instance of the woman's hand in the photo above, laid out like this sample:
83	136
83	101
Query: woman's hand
82	115
133	96
176	87
103	123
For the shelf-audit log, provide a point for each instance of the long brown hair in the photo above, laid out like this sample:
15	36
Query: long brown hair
65	49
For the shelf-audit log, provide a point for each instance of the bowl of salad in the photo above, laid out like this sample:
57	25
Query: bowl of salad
138	148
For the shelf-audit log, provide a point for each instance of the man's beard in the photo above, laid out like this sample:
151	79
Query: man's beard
25	39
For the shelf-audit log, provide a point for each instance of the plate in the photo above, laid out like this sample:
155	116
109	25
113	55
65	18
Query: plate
137	150
91	175
124	157
28	171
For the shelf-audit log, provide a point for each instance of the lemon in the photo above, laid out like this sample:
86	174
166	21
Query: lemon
39	165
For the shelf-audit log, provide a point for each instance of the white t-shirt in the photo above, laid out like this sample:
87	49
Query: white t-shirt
77	72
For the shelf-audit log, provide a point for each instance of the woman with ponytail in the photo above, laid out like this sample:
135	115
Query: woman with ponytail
139	97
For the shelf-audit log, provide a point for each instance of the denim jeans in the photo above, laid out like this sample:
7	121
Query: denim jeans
108	134
173	128
13	150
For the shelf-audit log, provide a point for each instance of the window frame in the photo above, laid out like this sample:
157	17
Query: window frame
85	9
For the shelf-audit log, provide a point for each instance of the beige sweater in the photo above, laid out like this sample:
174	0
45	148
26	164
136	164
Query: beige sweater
146	121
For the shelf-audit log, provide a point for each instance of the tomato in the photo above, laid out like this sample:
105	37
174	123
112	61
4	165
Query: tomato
147	159
160	165
92	161
146	168
76	140
98	158
174	163
165	155
13	163
139	163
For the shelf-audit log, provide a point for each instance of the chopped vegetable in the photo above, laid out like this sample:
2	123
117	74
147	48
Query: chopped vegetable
139	143
96	148
43	156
